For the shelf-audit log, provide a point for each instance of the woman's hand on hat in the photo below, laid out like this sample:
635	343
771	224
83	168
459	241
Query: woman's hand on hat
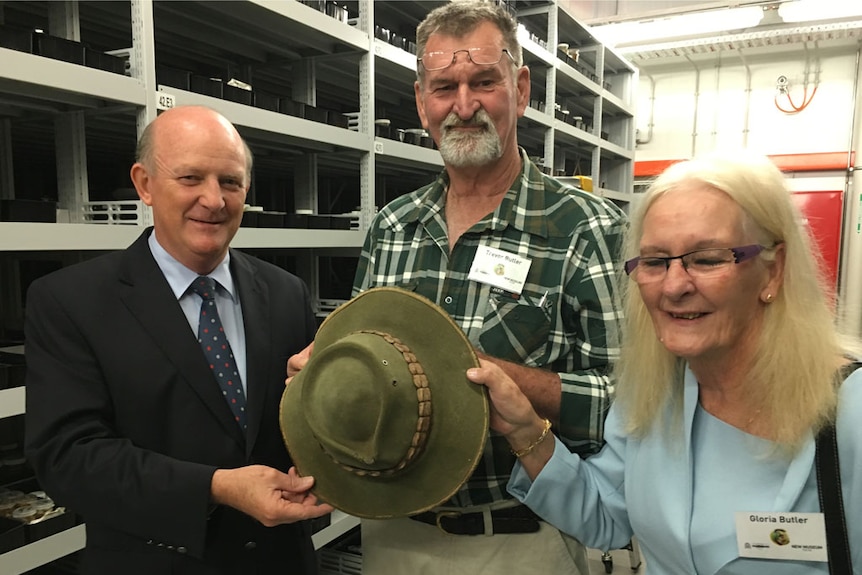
297	361
510	408
267	494
513	415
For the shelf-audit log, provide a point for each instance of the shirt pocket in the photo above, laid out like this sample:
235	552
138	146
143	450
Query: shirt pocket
516	330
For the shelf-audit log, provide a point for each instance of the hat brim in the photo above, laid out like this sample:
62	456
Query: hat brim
459	424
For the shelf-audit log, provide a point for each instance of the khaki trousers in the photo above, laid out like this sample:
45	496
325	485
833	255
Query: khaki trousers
408	547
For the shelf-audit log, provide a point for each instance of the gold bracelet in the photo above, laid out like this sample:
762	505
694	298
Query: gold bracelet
522	452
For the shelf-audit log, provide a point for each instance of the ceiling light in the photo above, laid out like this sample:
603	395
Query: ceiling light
674	27
814	10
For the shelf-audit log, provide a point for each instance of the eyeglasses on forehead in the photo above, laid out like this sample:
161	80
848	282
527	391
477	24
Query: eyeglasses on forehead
482	56
696	262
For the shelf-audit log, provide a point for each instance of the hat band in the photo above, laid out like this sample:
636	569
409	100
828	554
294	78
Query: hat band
423	422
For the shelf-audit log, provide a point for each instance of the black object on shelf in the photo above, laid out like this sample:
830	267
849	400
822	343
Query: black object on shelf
51	526
318	222
58	48
235	94
100	60
13	38
28	211
270	219
168	76
16	533
320	523
206	85
381	33
291	107
12	534
315	114
12	375
413	136
250	220
338	223
296	221
381	130
265	100
337	119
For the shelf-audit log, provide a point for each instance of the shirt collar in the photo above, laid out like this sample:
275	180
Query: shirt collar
523	207
179	277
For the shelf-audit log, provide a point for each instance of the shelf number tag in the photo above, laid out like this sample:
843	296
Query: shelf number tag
165	101
378	147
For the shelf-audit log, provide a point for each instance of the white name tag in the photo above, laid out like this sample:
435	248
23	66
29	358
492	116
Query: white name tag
793	536
500	269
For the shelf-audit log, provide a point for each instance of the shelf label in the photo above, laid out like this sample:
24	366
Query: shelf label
165	101
378	147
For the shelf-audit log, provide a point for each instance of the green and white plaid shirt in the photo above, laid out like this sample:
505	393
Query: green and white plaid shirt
565	319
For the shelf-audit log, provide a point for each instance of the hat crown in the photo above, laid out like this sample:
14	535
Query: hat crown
334	440
380	393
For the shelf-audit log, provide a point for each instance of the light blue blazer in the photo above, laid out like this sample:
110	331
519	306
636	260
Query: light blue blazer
644	488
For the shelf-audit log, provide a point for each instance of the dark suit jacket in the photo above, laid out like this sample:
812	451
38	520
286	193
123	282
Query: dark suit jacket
126	424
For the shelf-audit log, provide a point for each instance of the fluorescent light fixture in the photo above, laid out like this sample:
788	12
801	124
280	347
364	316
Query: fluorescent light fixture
813	10
722	21
683	25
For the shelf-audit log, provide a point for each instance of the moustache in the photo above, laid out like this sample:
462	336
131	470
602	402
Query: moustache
477	121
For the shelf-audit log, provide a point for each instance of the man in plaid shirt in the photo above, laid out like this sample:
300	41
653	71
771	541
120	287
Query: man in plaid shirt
523	264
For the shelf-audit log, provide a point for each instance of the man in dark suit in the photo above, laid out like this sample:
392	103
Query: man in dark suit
126	422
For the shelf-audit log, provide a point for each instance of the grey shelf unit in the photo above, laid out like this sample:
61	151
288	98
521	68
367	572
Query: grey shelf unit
68	131
599	88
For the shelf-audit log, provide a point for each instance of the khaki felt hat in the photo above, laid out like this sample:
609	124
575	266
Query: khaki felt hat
383	415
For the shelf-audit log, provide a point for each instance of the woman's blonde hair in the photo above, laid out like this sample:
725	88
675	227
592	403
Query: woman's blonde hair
792	377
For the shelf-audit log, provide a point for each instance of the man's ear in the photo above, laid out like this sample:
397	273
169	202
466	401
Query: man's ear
141	181
420	105
522	82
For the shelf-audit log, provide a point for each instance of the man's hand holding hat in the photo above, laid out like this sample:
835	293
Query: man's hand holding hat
268	495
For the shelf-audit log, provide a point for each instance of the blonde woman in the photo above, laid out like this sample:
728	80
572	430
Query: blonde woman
730	367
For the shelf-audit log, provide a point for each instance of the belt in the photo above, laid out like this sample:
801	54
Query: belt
518	519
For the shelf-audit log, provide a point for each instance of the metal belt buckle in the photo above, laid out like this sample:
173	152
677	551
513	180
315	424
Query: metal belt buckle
441	514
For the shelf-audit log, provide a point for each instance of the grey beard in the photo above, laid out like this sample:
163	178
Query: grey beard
462	150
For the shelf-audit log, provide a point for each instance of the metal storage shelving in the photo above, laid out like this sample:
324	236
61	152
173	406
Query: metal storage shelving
293	50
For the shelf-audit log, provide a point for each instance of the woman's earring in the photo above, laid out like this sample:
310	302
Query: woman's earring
769	298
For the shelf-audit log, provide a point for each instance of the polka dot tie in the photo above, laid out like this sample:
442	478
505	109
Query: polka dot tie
217	350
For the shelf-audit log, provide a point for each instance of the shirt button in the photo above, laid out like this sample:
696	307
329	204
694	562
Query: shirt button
448	299
181	549
250	545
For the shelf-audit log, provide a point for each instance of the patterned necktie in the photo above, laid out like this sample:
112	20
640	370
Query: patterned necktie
217	350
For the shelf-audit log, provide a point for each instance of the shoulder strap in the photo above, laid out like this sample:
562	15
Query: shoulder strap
831	499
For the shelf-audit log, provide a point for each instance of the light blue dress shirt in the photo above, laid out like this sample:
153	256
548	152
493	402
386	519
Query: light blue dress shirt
647	488
227	299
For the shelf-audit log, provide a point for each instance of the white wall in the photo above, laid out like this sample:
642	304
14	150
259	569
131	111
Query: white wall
706	104
725	100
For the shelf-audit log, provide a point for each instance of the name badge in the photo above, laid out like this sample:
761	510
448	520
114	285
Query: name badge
500	269
792	536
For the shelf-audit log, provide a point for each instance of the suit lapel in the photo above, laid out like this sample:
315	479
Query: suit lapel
148	297
254	298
